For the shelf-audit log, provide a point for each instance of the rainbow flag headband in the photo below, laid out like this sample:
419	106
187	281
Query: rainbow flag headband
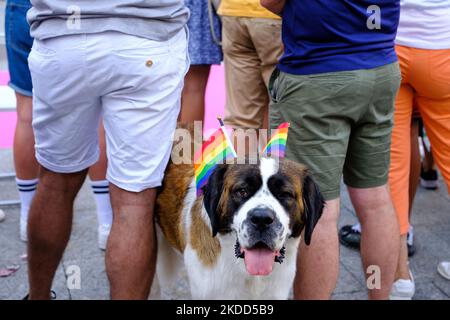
277	144
219	148
216	150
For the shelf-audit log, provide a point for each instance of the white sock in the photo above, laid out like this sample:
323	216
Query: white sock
102	201
27	189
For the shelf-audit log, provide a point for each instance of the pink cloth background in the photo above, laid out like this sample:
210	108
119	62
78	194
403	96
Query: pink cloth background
215	102
7	119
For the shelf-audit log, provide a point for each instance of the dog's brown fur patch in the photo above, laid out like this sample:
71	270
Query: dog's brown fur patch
296	173
207	248
170	203
170	200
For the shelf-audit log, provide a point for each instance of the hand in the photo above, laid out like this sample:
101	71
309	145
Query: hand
276	6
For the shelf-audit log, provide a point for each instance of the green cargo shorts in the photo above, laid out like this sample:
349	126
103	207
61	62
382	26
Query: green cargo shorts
341	123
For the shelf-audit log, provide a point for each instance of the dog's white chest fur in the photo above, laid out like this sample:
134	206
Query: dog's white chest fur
229	279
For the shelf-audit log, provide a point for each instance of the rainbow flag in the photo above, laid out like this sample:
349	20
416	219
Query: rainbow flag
277	144
214	151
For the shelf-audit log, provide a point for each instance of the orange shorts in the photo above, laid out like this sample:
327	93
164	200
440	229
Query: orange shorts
426	84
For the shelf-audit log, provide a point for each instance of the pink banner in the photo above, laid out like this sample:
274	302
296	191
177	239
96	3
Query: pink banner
215	103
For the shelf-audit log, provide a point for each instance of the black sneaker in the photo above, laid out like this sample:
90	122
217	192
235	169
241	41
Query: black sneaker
429	179
350	236
410	242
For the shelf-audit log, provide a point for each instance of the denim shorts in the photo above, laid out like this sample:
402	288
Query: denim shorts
18	45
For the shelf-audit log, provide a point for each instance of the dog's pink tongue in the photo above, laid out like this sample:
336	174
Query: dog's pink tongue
259	262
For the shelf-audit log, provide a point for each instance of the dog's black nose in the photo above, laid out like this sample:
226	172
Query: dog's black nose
261	217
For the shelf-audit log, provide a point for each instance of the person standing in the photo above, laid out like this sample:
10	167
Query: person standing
203	53
18	45
336	84
251	41
125	60
423	48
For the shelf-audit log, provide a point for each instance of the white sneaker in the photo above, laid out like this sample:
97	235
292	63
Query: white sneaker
403	289
23	230
443	269
103	234
2	215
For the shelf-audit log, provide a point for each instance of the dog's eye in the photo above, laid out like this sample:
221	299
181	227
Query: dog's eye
287	195
243	193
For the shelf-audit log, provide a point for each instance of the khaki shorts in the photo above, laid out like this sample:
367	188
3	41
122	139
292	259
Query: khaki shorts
251	49
341	123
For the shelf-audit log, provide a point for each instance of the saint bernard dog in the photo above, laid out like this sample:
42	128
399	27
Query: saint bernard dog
240	239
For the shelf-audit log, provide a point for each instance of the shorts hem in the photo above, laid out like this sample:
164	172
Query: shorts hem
331	195
67	169
205	63
19	90
134	187
367	184
235	126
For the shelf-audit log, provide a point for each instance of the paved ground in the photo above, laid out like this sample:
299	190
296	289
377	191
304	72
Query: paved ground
431	220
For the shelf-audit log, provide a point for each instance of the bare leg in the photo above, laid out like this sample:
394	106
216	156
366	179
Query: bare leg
131	250
379	234
402	271
193	97
49	227
321	257
24	159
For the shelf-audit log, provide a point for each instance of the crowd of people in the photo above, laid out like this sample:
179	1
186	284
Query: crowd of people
351	77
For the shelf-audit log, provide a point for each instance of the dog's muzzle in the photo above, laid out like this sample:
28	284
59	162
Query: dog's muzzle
261	241
262	226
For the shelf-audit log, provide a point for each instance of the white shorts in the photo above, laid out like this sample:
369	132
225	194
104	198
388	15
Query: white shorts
135	83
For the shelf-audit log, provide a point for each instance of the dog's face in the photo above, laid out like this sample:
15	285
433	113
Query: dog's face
264	205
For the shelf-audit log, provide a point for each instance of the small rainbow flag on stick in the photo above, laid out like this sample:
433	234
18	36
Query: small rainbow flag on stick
277	144
215	150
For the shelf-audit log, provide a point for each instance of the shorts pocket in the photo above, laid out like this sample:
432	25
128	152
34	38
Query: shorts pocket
45	68
277	86
42	59
332	82
269	31
142	49
385	103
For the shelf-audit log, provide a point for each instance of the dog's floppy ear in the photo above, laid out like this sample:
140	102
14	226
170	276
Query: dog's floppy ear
212	192
313	205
